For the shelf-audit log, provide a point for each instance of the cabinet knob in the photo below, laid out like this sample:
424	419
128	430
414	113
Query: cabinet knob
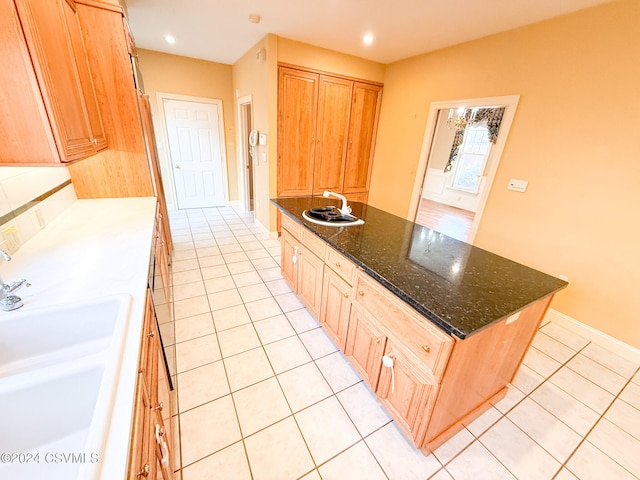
338	264
346	295
426	348
95	141
377	341
361	293
152	334
160	430
144	472
160	406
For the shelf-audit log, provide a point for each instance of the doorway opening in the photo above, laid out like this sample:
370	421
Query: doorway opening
462	146
247	152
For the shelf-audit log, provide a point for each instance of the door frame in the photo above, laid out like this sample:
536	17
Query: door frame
243	178
168	164
508	101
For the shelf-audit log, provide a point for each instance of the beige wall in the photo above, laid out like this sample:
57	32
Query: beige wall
305	55
260	80
167	73
572	138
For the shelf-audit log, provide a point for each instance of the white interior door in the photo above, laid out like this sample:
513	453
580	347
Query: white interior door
197	154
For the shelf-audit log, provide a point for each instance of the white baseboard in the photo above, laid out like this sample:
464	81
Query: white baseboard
596	336
264	229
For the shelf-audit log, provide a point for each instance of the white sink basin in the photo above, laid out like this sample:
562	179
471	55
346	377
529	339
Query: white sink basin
47	414
32	339
59	369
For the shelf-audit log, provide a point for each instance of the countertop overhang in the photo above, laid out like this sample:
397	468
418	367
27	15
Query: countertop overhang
459	287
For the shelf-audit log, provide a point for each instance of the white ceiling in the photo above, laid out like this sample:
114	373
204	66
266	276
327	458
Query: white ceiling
219	30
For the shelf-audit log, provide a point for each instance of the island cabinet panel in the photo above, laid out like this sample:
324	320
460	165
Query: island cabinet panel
303	271
310	274
407	391
289	258
327	125
426	343
297	106
479	370
437	354
336	307
341	265
365	345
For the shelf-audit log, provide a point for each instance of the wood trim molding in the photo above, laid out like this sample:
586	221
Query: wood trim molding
100	4
330	74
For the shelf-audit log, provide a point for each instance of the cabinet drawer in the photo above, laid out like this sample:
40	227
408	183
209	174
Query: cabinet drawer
413	334
291	225
341	265
313	243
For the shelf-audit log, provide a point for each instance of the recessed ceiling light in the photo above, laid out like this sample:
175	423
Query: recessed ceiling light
170	39
367	39
254	18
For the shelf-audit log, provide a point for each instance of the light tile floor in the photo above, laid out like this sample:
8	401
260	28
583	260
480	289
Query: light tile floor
263	393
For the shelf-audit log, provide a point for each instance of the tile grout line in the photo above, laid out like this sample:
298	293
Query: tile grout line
504	415
600	418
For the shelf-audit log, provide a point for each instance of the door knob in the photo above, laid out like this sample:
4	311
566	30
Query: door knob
178	167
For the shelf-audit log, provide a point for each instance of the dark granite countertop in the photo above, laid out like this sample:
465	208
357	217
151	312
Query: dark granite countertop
458	287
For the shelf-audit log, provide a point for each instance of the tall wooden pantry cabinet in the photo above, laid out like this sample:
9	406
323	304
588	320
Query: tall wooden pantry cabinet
326	133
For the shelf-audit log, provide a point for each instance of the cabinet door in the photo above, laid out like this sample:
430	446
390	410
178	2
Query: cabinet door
289	259
407	394
336	306
310	274
297	106
96	129
331	135
55	44
362	133
26	133
365	345
142	457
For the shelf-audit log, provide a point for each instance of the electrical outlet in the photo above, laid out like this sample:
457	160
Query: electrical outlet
517	185
40	217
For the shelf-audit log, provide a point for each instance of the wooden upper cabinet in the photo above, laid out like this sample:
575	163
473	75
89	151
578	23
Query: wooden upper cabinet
362	133
56	49
24	126
298	94
331	139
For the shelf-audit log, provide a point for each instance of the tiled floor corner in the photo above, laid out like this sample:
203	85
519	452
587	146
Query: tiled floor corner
262	393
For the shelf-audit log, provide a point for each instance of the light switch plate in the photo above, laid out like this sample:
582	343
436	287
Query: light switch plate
517	185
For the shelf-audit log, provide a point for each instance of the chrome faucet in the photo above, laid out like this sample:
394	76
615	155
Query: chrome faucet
8	301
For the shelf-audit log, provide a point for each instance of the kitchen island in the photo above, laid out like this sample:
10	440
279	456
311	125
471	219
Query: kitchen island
438	328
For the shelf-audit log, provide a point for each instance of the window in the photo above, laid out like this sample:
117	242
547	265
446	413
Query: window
472	159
